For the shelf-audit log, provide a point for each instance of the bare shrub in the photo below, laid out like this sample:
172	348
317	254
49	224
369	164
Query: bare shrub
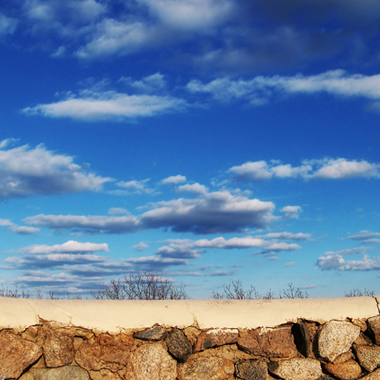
292	292
141	286
235	291
359	293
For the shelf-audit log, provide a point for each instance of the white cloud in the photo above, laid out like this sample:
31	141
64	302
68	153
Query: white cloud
191	14
233	243
291	212
68	247
7	25
135	187
212	213
277	247
90	224
25	172
342	168
21	230
259	89
141	246
365	234
183	251
118	211
148	84
173	180
286	236
337	262
109	105
194	188
339	168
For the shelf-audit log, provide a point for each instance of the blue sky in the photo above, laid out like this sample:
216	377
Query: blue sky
203	140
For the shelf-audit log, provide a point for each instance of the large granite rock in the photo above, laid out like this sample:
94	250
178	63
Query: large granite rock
275	343
106	352
16	355
368	356
202	368
104	374
178	345
215	338
61	373
296	369
372	376
151	361
252	370
58	349
374	327
349	370
154	334
335	338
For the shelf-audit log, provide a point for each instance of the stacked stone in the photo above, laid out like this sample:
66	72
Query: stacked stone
306	350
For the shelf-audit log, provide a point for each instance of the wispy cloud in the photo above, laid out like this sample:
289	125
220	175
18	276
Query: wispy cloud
108	105
213	212
174	180
26	171
339	168
21	230
260	89
366	237
69	247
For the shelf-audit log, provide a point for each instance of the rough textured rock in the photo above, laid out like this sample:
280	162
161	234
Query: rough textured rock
275	343
61	373
151	361
104	374
210	368
178	345
192	334
230	352
374	327
335	338
363	340
252	370
349	370
372	376
309	338
154	334
368	356
296	369
216	337
58	349
16	355
344	357
106	352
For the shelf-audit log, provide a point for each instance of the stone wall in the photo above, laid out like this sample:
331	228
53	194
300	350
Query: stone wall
297	349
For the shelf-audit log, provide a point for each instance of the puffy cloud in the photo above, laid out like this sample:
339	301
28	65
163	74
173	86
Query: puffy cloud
337	262
174	180
194	188
109	105
214	212
69	247
339	168
25	172
21	230
233	243
183	251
